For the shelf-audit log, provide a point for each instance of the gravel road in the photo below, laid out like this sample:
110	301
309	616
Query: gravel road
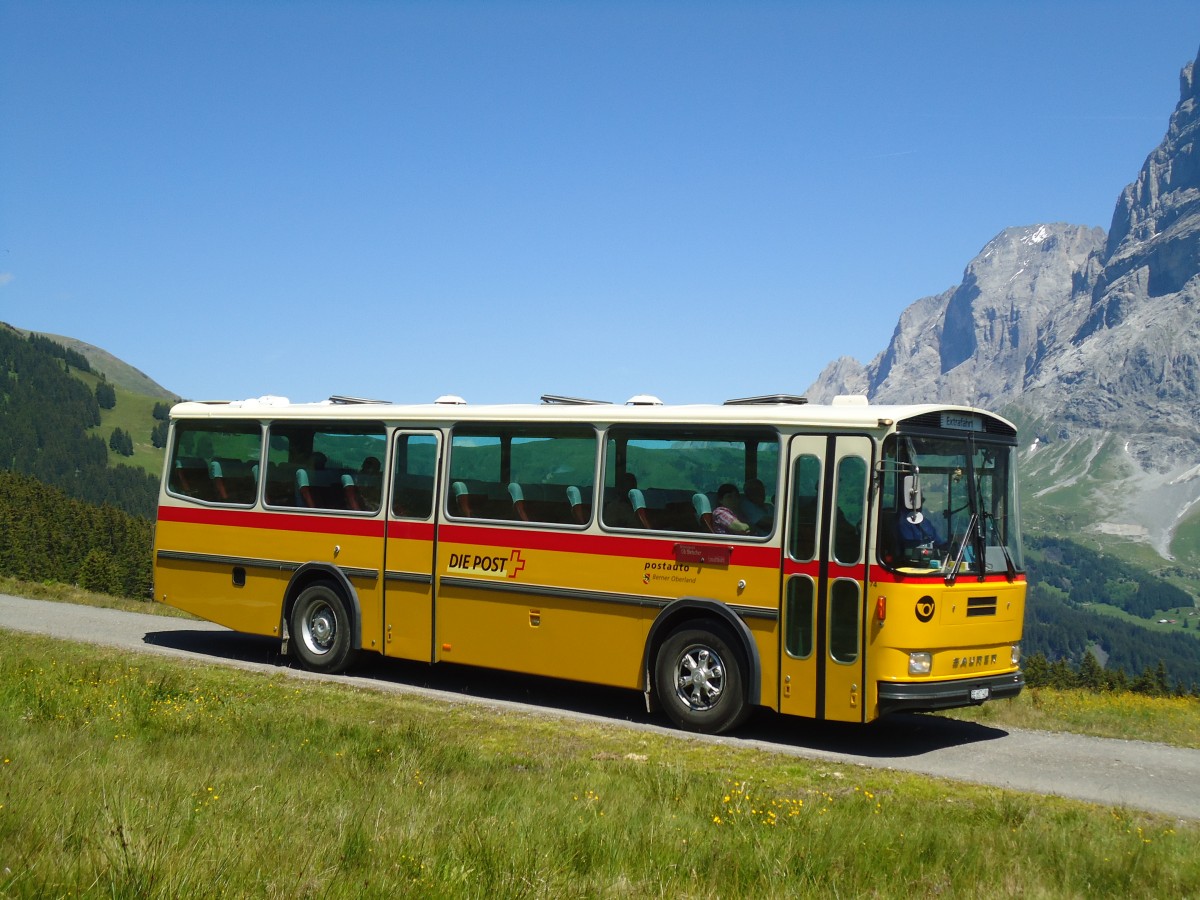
1131	774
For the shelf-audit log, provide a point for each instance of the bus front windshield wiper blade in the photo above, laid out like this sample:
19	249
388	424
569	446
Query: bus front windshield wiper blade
972	527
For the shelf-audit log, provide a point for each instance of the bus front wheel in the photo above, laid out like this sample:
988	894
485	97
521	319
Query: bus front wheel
699	681
320	629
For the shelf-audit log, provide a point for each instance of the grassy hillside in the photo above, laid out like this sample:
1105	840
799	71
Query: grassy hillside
134	413
117	371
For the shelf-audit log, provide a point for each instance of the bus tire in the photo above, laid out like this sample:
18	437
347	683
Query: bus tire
320	629
698	675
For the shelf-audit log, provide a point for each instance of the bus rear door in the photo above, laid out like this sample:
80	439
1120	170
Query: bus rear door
412	512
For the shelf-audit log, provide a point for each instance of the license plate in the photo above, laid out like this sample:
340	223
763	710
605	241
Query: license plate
980	693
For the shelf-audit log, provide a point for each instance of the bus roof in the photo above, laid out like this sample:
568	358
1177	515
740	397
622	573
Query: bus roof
843	413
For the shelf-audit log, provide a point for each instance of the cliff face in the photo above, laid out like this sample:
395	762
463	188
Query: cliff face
973	343
1091	341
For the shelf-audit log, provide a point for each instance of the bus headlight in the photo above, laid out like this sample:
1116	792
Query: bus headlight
1016	654
920	662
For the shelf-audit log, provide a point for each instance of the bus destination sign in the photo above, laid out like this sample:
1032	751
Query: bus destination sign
962	421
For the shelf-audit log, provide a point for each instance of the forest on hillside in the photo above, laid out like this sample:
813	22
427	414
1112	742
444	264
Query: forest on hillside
45	414
47	536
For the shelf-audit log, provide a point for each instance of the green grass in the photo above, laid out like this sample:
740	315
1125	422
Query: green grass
67	593
1126	716
137	776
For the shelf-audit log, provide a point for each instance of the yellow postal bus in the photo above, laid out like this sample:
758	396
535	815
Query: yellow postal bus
832	561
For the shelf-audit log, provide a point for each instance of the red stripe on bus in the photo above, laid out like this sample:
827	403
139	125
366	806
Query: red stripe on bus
239	518
598	545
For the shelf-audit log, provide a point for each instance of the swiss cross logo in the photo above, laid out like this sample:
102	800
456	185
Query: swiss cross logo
516	564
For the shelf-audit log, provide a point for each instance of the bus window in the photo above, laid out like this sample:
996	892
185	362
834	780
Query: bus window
668	479
216	461
799	617
522	473
843	620
330	467
414	472
851	505
806	501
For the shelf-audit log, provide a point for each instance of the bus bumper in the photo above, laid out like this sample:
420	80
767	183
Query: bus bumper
923	696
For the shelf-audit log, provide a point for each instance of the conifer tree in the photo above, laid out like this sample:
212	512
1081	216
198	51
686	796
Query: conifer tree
106	395
1091	673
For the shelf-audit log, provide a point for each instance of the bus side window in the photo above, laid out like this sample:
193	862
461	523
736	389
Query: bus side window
413	476
679	471
521	473
216	462
327	467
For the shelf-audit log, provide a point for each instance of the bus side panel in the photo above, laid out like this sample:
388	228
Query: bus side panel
206	587
201	551
520	618
541	635
580	606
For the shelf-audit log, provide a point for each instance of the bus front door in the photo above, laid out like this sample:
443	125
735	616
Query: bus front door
821	660
412	512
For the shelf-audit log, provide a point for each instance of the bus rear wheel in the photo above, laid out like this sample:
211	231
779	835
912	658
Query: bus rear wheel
320	629
698	676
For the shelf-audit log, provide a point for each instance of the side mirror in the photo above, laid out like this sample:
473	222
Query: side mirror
912	492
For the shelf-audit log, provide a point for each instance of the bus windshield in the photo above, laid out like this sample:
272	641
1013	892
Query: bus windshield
949	504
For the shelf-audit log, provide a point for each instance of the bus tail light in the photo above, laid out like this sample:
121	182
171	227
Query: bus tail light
881	608
920	662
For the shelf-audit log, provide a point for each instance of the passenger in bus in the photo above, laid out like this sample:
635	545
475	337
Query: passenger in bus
618	511
363	491
725	519
755	508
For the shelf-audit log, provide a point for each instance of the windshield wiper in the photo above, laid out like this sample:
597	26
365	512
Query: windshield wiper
972	527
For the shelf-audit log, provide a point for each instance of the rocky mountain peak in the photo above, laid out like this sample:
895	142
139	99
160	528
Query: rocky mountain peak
1156	224
1092	340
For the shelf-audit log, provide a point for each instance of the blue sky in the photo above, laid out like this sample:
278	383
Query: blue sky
499	200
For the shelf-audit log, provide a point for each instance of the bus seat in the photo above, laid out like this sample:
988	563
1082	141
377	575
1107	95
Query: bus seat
304	488
465	500
350	492
703	509
638	501
216	477
232	480
190	477
518	500
579	512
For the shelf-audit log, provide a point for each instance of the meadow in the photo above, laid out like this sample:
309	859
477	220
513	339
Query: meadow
124	776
